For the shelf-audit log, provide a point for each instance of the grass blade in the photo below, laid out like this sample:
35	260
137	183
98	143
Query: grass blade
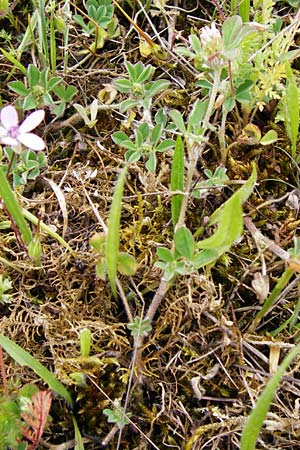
14	61
271	299
78	438
48	230
258	414
14	209
244	10
177	179
113	238
291	108
26	359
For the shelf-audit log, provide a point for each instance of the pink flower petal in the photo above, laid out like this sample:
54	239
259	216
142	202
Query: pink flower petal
7	140
3	131
32	141
9	117
32	121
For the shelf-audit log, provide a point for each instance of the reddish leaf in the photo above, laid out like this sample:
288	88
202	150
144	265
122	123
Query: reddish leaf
36	417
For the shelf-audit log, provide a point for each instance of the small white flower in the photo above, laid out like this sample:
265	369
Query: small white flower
212	46
15	135
209	34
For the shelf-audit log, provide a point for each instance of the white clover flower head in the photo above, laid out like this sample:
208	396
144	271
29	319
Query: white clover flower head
210	35
212	46
15	135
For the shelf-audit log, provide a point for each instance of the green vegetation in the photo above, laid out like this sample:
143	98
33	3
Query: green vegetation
149	192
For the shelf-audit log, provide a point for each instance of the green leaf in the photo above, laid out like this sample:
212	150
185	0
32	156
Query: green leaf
140	327
205	257
269	138
78	438
178	120
196	116
13	208
155	87
177	179
195	43
230	227
29	102
145	74
151	162
165	254
128	104
243	193
123	85
127	264
14	61
113	229
85	342
258	414
34	76
18	87
48	230
165	145
24	358
132	69
184	242
234	31
291	107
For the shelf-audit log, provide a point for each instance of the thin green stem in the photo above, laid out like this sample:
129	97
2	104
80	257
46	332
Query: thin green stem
212	98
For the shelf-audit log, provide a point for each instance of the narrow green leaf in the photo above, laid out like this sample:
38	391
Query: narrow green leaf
113	229
271	299
245	10
205	257
14	61
78	438
48	230
184	242
177	180
178	120
258	414
155	87
165	145
18	87
243	193
291	107
52	41
13	208
85	342
24	358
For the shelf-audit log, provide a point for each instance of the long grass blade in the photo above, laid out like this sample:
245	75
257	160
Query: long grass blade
48	230
113	231
258	414
291	108
24	358
14	61
177	180
245	10
14	209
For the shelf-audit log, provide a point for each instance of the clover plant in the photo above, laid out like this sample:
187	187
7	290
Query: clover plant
40	90
146	143
101	22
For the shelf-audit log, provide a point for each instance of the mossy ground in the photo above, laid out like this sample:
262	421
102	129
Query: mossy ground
201	371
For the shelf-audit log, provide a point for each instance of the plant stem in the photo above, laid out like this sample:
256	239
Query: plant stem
212	98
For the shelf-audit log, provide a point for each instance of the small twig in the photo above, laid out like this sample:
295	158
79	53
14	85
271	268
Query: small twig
264	242
3	373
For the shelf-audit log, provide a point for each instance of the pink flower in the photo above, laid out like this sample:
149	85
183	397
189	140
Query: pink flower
15	135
